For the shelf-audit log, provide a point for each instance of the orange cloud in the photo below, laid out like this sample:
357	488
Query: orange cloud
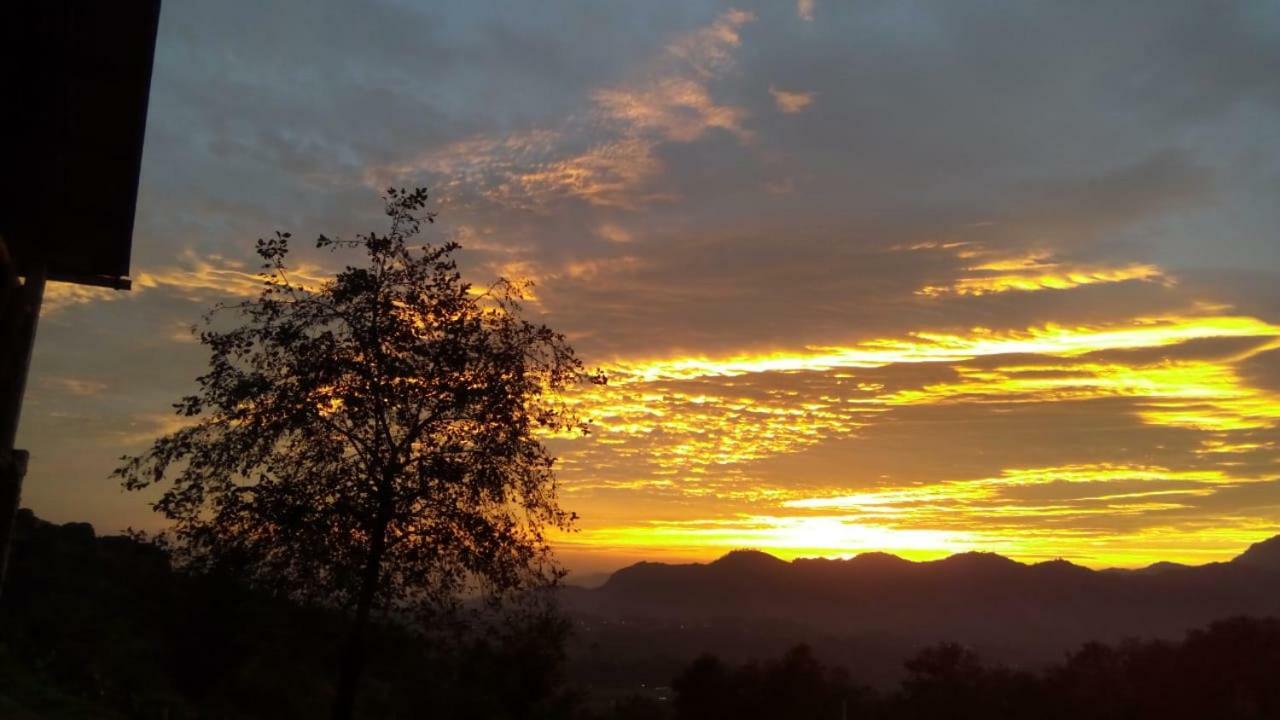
59	296
791	102
668	101
204	278
608	175
614	233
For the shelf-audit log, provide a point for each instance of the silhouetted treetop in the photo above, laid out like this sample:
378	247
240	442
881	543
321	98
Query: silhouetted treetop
373	441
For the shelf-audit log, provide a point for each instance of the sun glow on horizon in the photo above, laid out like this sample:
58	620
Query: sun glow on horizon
692	428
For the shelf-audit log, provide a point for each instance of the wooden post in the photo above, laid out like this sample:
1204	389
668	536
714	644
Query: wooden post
19	314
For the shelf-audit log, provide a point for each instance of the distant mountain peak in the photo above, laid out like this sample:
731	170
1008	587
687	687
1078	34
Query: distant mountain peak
1061	564
1163	566
1262	554
878	559
748	557
978	559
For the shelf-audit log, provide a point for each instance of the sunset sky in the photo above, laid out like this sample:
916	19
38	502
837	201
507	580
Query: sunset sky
921	277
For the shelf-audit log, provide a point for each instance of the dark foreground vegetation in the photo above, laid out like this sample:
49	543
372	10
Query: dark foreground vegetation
1229	670
102	627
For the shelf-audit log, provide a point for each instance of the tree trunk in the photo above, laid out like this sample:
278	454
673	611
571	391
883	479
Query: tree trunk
351	657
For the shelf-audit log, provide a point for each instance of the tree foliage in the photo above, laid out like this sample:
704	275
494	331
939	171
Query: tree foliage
374	441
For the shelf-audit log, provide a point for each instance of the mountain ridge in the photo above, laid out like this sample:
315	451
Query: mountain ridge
1011	609
1264	553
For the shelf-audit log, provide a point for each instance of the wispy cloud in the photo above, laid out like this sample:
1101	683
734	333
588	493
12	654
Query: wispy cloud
672	100
201	278
1038	271
669	100
791	103
78	386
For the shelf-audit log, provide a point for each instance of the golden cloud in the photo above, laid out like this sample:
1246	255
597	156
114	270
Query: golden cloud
693	428
1038	271
929	521
927	346
839	536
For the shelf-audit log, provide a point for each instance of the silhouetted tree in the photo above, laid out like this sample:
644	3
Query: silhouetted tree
705	689
1227	670
795	686
371	442
950	682
637	707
